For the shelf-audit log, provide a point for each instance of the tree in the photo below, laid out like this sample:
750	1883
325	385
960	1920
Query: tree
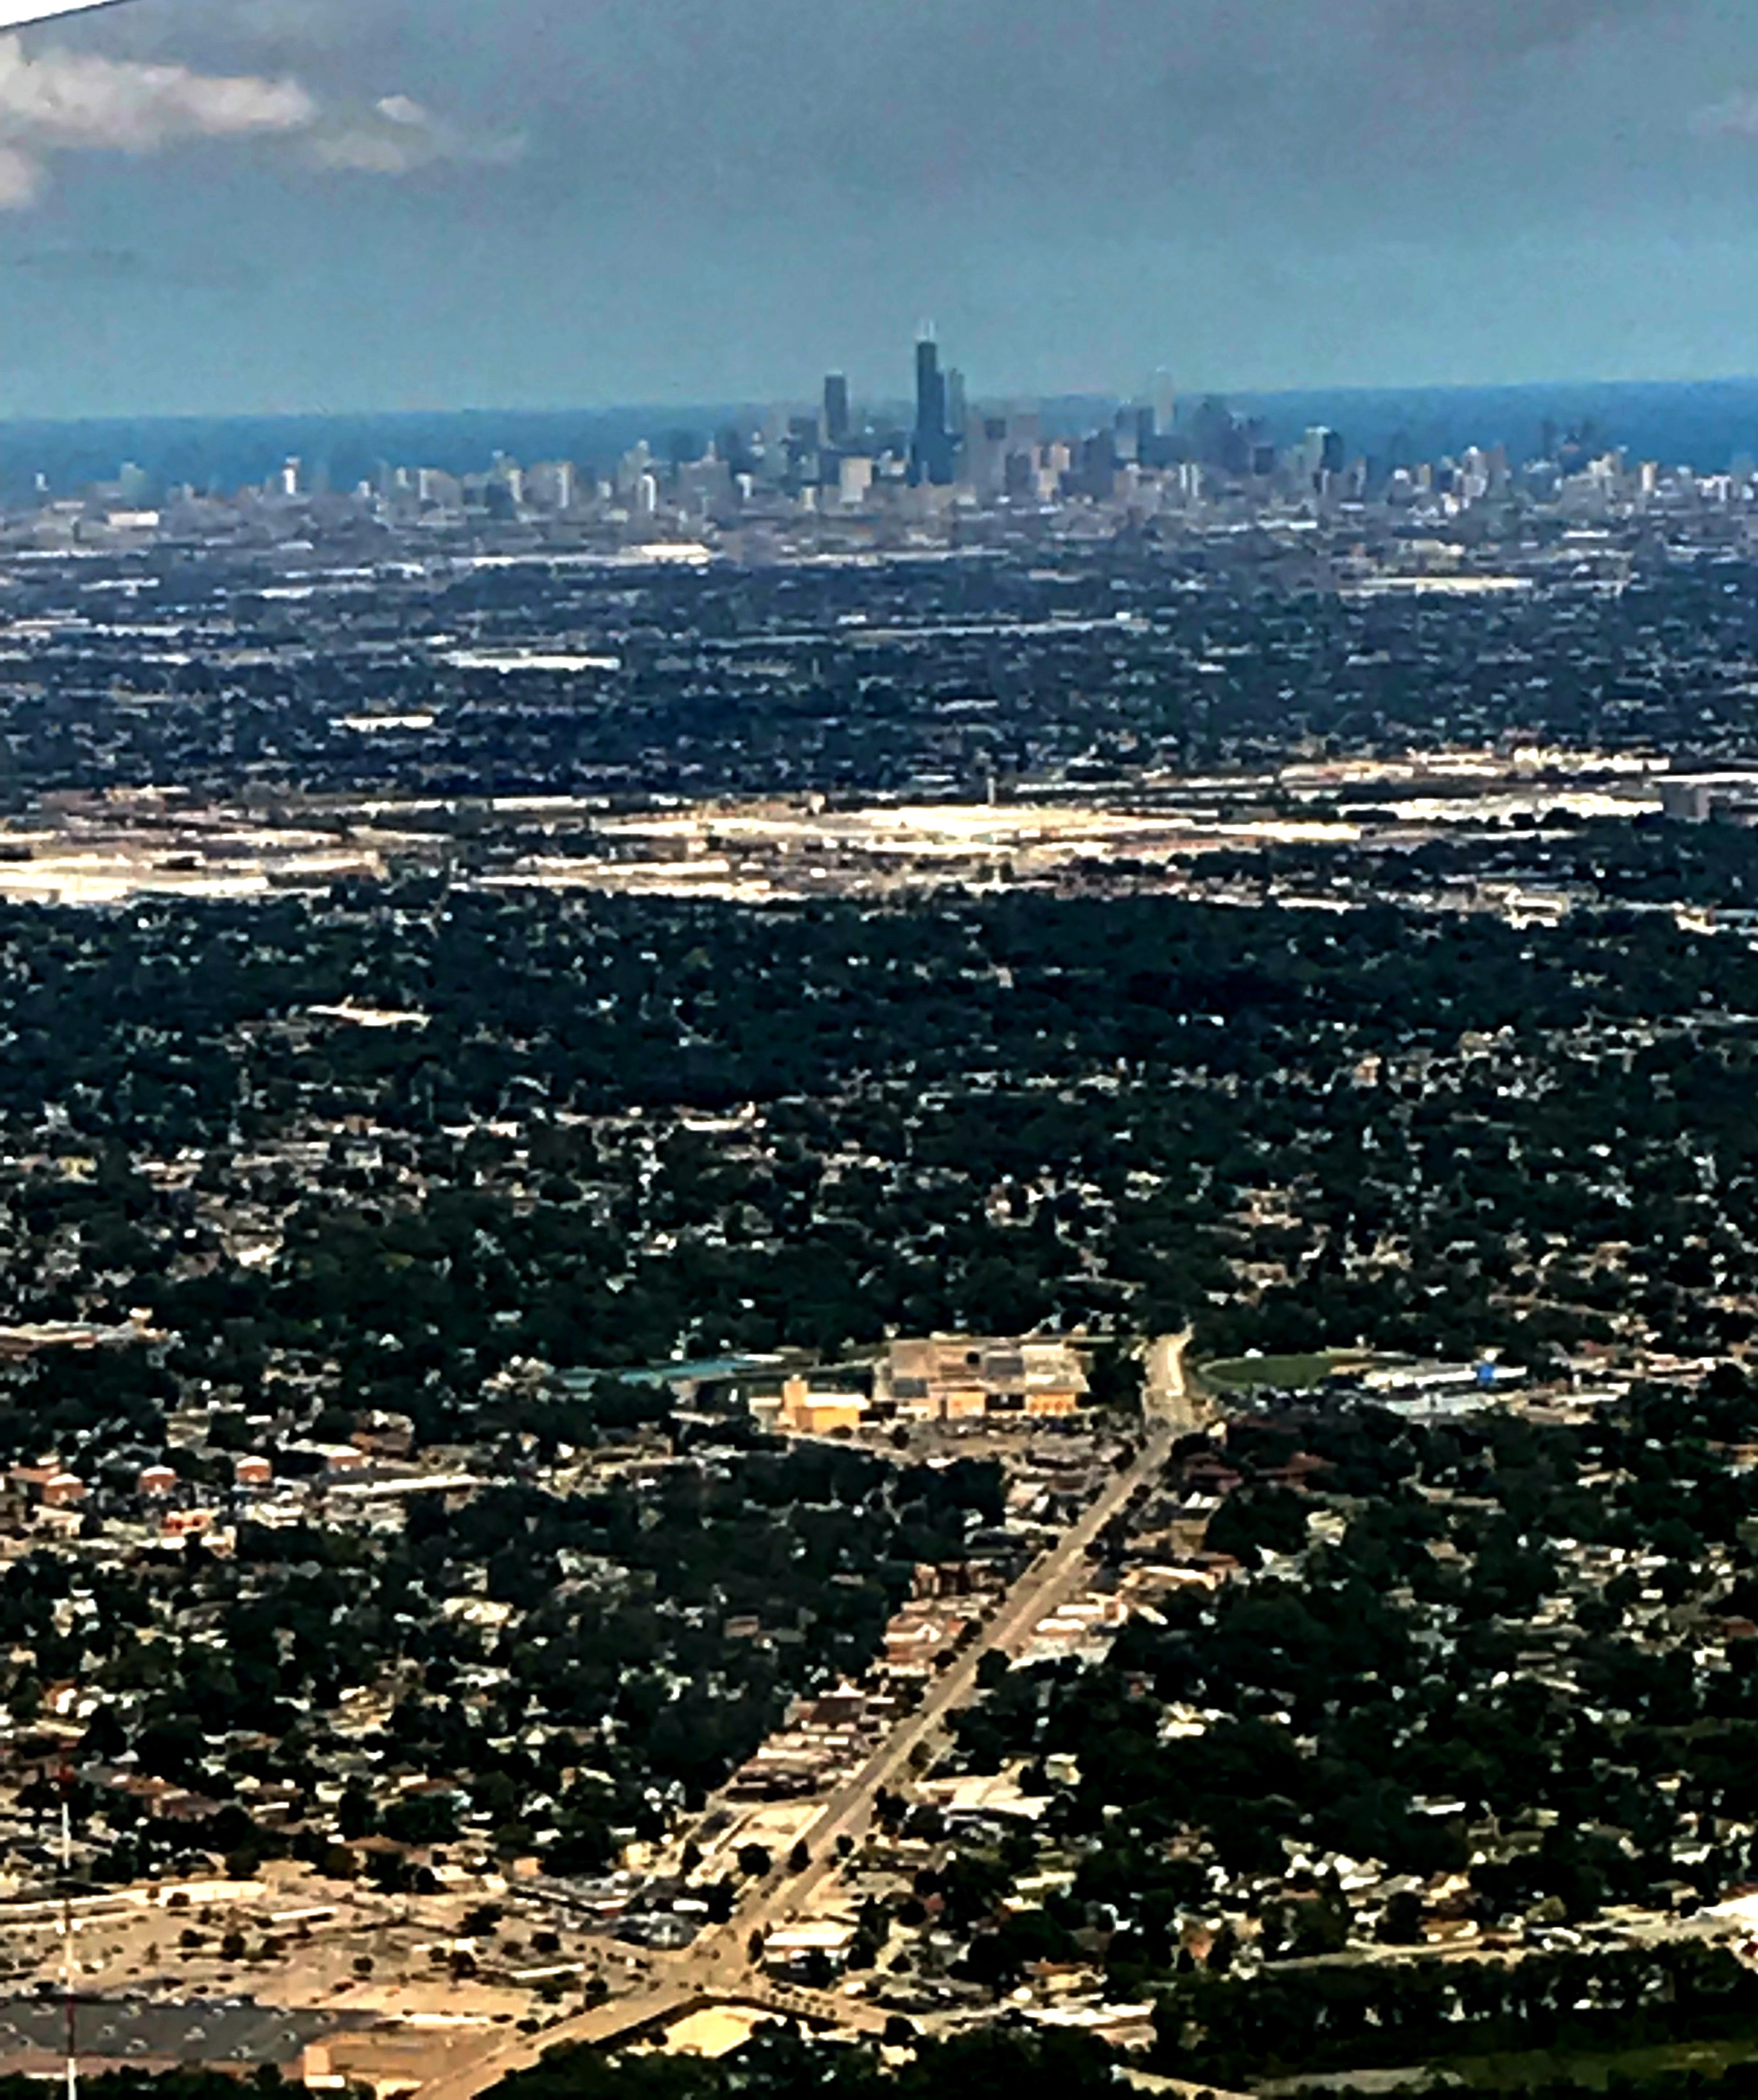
355	1815
991	1670
1401	1925
815	1970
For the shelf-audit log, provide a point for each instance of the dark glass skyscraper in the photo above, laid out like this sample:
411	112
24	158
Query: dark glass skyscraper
930	451
930	391
836	424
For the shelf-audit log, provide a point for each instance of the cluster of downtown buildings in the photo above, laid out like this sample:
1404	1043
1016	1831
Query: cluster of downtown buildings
937	459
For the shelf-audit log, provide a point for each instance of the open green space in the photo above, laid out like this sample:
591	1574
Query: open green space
1238	1374
1521	2070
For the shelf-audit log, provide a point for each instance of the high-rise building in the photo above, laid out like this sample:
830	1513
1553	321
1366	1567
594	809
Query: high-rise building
958	409
550	485
930	390
1164	404
835	422
1214	429
984	465
632	467
931	449
854	478
1098	472
1321	452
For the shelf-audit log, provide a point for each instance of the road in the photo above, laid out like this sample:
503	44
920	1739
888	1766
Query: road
718	1965
1044	1585
626	2017
1166	1395
480	2068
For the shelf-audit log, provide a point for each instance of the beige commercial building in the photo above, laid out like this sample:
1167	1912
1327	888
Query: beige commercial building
804	1413
954	1378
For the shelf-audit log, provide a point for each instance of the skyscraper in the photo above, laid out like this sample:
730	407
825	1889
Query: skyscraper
1321	454
836	423
930	451
1164	404
930	390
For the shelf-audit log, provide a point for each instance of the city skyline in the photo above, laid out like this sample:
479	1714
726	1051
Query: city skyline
212	206
945	458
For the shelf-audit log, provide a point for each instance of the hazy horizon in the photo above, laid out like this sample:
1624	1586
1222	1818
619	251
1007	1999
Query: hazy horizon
896	400
1709	424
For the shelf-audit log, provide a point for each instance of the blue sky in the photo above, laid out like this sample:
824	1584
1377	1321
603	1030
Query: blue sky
218	205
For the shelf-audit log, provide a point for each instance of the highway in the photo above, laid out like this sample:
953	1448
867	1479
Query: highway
718	1965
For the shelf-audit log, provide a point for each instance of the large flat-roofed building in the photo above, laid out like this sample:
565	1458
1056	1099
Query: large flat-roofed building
945	1377
1695	798
954	1378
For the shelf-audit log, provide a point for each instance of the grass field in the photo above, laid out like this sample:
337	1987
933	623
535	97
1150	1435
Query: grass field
1521	2071
1236	1373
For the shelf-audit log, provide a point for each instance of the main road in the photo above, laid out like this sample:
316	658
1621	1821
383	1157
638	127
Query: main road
1166	1394
718	1965
1044	1585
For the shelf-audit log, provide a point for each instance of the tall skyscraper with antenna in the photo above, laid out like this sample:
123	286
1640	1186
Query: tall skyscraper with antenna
931	449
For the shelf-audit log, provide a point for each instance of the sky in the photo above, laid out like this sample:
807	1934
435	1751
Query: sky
227	206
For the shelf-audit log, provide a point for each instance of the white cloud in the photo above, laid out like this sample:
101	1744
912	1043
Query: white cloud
60	101
66	98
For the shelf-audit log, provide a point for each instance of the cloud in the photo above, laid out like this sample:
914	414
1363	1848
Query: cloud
21	178
61	101
65	100
399	136
1735	117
